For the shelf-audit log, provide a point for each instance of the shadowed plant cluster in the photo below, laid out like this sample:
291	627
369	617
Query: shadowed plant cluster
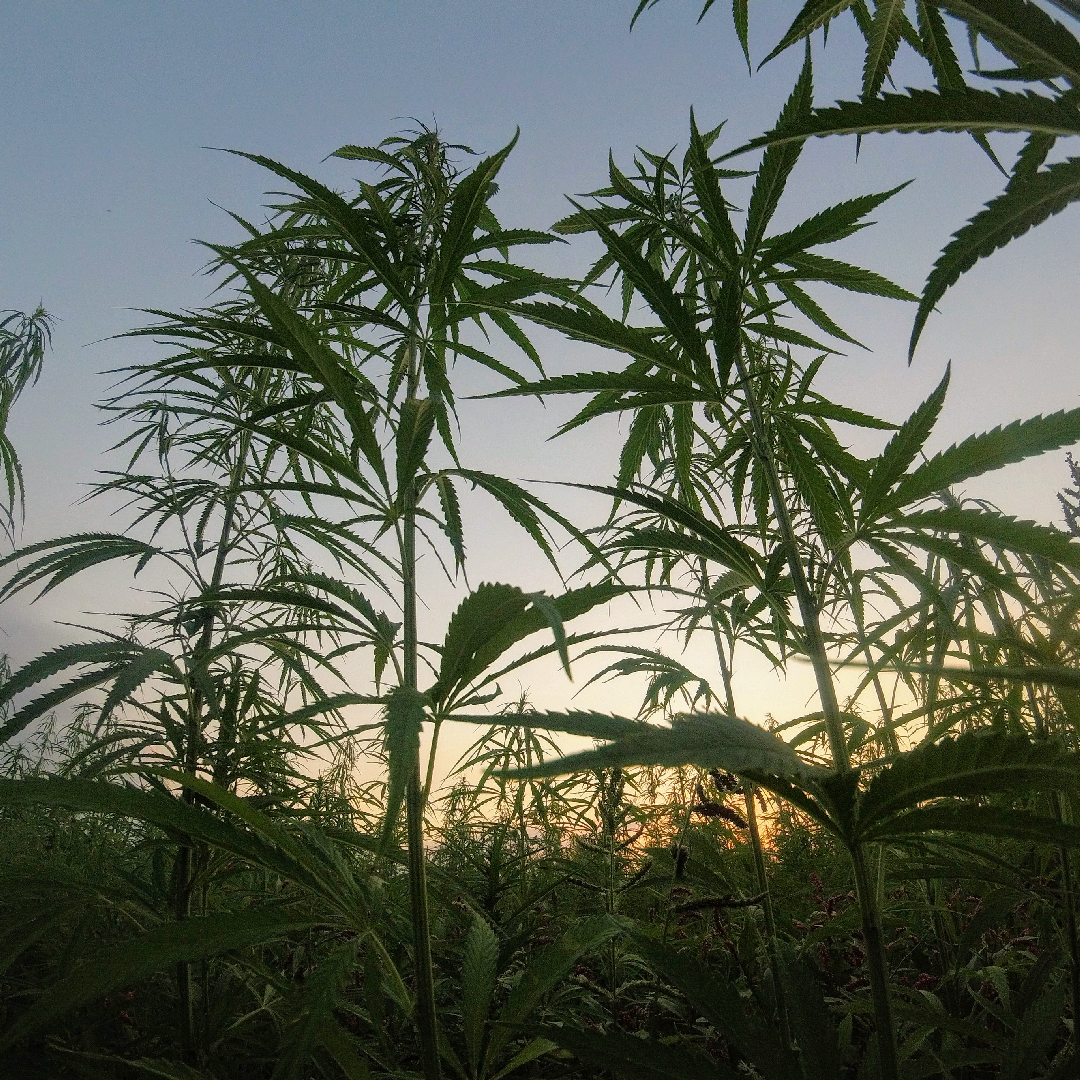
227	850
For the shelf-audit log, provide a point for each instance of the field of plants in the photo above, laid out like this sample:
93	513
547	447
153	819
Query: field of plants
226	852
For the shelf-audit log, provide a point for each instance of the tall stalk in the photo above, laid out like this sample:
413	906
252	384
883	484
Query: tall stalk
183	882
755	835
416	791
867	895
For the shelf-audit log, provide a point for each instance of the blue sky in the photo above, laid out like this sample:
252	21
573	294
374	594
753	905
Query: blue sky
108	109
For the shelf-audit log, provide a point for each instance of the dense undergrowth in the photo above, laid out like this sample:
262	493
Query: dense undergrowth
201	879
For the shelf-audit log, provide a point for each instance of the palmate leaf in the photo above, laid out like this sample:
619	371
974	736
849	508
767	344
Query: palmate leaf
726	547
653	286
811	1022
106	659
999	530
986	452
470	198
261	846
479	968
526	509
545	972
777	163
312	860
590	725
654	388
493	618
1022	31
902	449
718	1000
63	558
312	1014
415	424
807	266
320	363
928	111
970	765
593	326
708	740
116	967
404	720
1004	823
881	46
825	227
352	224
813	15
1021	207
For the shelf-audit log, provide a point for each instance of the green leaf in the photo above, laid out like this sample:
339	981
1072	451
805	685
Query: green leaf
1002	822
1010	215
718	1000
777	163
1023	32
884	40
653	286
68	556
812	1024
545	971
415	424
928	110
990	450
813	15
479	969
116	967
591	725
708	740
469	200
312	1013
825	227
493	618
321	363
1000	530
810	267
405	715
640	1059
352	224
974	764
902	449
595	327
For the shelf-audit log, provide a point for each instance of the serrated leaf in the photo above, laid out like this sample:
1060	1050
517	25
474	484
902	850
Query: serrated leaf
1020	208
1023	32
777	163
813	15
708	740
405	714
926	111
115	967
990	450
416	421
970	765
479	968
902	449
544	972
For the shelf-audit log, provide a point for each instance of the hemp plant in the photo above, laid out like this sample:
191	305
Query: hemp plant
722	352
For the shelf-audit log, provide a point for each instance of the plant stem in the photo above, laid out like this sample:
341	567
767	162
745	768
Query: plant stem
755	835
866	891
815	647
183	881
808	609
414	809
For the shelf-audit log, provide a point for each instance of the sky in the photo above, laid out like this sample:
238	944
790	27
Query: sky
111	108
